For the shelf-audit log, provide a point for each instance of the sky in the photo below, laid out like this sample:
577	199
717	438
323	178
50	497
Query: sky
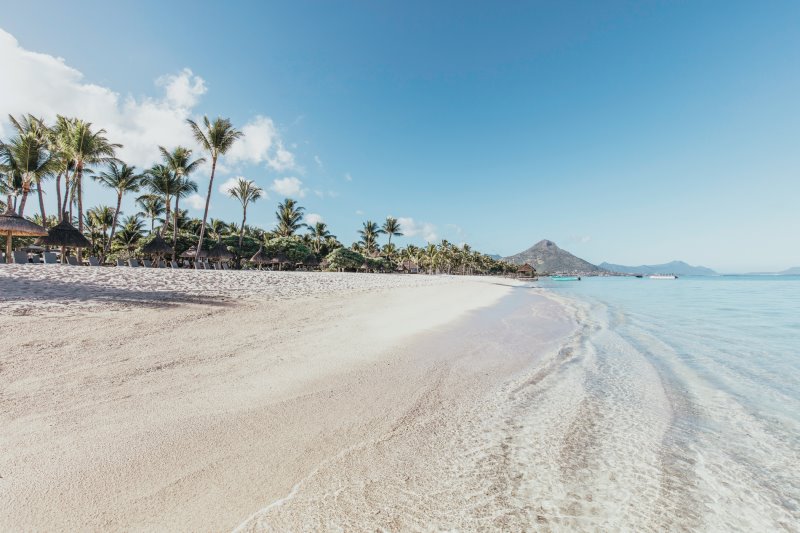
627	132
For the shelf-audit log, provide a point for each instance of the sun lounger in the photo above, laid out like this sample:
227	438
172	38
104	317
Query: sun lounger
2	259
224	266
93	261
36	259
173	264
133	263
147	263
72	260
121	262
20	258
50	258
162	264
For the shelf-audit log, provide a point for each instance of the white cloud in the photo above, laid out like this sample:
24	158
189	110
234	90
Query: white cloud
313	218
289	186
318	161
183	89
45	86
196	201
411	228
229	184
348	177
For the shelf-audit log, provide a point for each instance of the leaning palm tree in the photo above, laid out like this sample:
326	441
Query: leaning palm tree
392	227
319	233
216	138
290	216
152	207
245	191
86	148
179	161
369	235
122	179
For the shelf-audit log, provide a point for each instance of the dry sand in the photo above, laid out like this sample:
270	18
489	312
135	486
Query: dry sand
135	399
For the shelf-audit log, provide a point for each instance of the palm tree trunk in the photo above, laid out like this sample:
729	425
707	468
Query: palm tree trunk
78	185
21	210
208	197
241	231
175	228
113	225
41	205
58	195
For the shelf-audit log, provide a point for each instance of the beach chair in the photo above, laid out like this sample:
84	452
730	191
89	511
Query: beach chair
147	263
133	263
173	264
36	259
50	258
2	259
162	264
93	261
20	258
121	262
72	260
224	266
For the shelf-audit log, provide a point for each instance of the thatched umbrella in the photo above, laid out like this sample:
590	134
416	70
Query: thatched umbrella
158	246
64	235
220	251
279	259
259	258
13	224
190	253
311	261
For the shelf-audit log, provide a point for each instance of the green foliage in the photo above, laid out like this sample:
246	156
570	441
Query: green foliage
291	247
344	259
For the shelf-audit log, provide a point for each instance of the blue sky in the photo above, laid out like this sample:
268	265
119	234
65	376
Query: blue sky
625	132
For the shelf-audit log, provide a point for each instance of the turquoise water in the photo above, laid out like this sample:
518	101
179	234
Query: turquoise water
702	375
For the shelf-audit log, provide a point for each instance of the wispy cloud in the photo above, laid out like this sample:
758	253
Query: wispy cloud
289	186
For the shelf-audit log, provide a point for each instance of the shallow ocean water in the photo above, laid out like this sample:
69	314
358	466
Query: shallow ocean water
699	382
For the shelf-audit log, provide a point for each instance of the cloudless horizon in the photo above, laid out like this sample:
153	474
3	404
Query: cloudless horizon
627	132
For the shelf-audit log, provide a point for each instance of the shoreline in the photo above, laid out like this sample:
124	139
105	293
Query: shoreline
165	415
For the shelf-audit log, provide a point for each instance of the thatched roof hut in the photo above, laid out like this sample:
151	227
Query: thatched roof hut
156	246
220	251
526	270
64	235
12	224
311	261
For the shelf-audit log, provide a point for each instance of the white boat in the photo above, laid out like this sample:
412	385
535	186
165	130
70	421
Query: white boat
663	276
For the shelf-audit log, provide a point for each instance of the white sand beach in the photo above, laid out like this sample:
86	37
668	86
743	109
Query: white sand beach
180	400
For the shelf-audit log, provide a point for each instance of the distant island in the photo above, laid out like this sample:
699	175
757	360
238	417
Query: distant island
679	268
546	257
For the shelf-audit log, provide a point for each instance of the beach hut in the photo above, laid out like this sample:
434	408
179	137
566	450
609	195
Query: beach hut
311	261
279	259
157	247
64	235
11	224
220	252
526	271
409	266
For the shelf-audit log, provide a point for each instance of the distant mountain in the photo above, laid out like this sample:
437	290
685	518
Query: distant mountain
675	267
794	271
545	256
496	257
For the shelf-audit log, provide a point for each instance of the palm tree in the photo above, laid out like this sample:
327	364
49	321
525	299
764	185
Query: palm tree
369	235
245	191
319	233
152	207
122	179
163	182
86	148
289	216
27	155
391	227
216	138
131	231
180	163
101	218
